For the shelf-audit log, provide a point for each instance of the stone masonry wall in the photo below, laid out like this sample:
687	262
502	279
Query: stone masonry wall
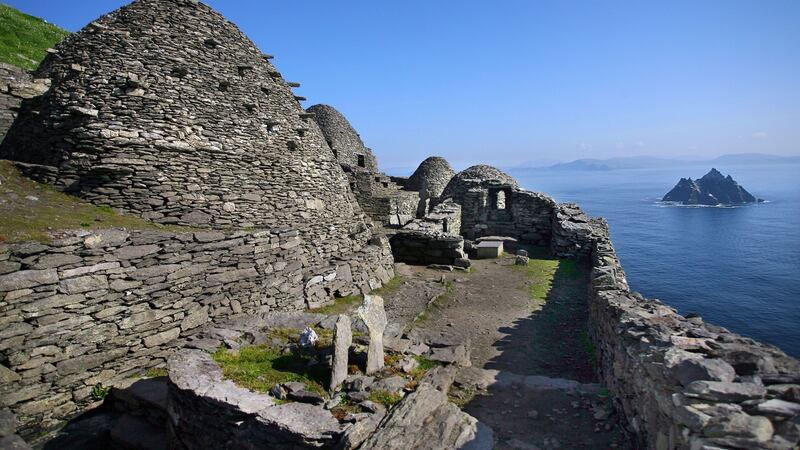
99	307
527	215
679	382
433	239
16	84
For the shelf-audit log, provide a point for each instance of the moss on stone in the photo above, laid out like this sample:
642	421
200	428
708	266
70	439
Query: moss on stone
260	367
341	305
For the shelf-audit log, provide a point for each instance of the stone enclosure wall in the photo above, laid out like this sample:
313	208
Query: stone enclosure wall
99	307
679	382
433	239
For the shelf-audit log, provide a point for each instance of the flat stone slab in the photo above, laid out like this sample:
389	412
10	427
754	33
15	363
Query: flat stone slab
485	378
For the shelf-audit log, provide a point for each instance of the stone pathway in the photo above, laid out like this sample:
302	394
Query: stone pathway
532	372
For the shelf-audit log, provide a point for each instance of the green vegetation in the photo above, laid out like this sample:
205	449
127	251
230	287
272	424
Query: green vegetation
24	39
541	270
292	335
100	392
449	290
390	287
155	372
31	211
341	305
460	396
385	398
261	367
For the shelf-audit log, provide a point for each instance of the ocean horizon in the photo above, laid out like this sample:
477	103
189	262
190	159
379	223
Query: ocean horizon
734	266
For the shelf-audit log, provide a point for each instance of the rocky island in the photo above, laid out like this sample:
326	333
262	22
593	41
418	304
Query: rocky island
712	189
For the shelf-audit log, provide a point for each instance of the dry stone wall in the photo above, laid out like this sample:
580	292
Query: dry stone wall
165	109
16	85
433	239
343	140
98	307
678	381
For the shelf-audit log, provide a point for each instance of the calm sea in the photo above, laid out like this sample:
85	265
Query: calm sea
736	267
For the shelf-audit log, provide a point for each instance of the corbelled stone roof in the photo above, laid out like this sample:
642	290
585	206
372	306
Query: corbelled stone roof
166	109
477	176
431	177
343	139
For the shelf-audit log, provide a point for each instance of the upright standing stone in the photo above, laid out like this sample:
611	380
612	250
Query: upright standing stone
342	338
374	316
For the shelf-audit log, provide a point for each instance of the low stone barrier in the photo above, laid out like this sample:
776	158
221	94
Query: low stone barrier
100	307
679	382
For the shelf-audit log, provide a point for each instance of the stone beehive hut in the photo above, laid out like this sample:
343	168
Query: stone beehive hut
343	139
166	109
479	176
431	177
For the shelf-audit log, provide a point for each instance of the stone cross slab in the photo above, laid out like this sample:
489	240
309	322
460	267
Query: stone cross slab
342	338
374	316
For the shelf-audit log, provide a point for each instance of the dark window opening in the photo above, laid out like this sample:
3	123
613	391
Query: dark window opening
445	226
335	153
362	162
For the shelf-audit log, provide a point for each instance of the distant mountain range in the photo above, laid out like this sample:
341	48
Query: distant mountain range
646	162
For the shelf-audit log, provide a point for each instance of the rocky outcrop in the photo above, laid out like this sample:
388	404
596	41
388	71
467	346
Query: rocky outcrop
711	190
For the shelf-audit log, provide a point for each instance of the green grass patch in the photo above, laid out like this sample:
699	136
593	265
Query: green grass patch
460	396
292	335
424	366
31	211
260	367
24	39
390	287
341	305
155	372
385	398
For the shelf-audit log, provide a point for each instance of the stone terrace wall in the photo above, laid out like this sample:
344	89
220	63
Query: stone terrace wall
383	200
679	382
527	217
99	307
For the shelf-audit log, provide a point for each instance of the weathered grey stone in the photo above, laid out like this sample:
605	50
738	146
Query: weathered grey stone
691	417
458	354
136	251
27	279
778	407
725	392
342	339
84	284
195	319
686	367
8	423
374	316
106	238
85	362
7	375
739	425
54	260
425	419
162	337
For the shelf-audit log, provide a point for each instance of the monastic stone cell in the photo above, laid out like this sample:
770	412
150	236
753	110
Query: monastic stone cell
431	177
343	139
164	108
479	176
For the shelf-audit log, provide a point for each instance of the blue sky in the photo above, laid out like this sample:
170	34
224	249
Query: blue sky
517	82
